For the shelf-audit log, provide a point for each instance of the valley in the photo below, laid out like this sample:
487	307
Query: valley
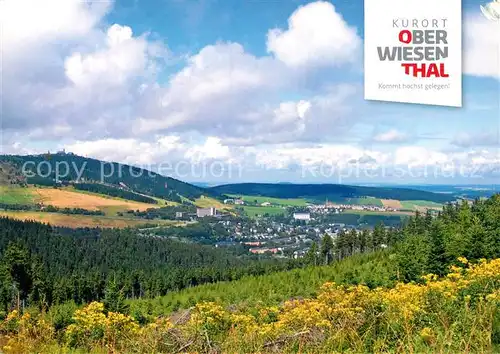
150	251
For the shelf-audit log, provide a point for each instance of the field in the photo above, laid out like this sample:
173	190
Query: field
17	195
382	213
420	205
207	202
277	201
254	211
364	201
69	198
64	198
73	221
370	218
392	203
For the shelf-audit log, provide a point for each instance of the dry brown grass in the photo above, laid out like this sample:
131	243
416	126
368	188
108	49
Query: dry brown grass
63	198
207	202
391	203
74	221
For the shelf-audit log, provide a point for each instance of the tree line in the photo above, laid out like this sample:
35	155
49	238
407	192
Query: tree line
114	192
43	265
49	209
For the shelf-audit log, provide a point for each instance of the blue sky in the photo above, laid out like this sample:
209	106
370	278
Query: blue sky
267	90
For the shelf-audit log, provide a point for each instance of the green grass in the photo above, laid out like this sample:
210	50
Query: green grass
365	201
414	204
254	211
16	195
351	201
277	201
375	269
75	221
381	213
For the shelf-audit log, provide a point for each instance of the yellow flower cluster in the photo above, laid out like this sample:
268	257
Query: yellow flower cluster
347	313
25	333
91	325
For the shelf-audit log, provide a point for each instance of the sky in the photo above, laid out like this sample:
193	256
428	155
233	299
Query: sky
236	91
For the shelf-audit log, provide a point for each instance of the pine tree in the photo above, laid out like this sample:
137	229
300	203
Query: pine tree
437	259
114	301
16	259
379	238
341	245
327	248
363	240
311	257
352	241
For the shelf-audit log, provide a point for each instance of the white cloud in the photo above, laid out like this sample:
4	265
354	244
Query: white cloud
27	23
67	75
316	35
481	47
415	156
130	151
466	140
212	92
323	155
122	58
211	149
391	136
71	78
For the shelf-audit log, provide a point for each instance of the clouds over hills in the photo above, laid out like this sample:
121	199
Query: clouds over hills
72	79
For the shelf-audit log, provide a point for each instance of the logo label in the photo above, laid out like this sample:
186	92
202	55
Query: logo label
413	51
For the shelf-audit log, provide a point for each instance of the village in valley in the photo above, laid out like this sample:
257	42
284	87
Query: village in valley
282	228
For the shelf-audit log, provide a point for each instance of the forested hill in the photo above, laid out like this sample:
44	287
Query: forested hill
329	191
51	265
139	180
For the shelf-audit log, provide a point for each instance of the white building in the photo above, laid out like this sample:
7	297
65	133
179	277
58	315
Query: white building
302	216
202	212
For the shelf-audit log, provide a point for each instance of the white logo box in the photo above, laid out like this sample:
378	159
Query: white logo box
435	30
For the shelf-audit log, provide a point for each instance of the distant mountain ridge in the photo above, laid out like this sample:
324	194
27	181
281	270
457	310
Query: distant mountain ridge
42	169
329	191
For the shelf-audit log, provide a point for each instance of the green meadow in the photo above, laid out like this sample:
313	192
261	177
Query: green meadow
16	195
255	211
415	204
276	201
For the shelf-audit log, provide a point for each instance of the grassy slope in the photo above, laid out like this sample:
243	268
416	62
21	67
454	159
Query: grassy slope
374	269
277	201
17	195
72	198
254	211
419	204
381	213
58	219
207	202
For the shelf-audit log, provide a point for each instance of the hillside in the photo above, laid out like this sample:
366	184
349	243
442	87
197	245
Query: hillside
332	192
431	286
90	259
45	169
